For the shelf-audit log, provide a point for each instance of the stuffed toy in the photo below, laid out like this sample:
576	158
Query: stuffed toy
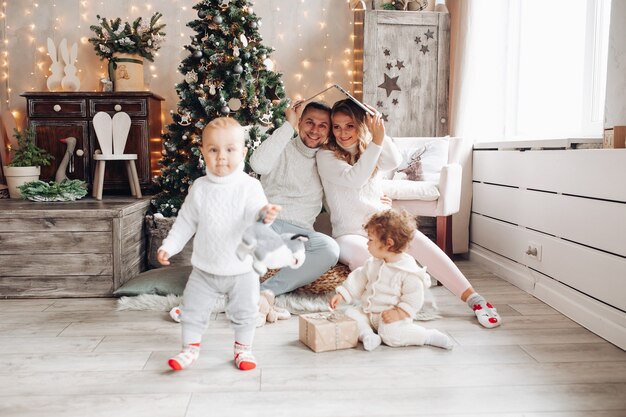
413	170
268	249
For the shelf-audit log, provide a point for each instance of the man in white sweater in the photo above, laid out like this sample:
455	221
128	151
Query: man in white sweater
289	177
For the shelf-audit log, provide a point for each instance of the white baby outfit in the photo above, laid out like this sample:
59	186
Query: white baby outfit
218	210
381	286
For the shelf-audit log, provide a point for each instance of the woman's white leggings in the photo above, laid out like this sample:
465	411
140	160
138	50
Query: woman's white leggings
353	252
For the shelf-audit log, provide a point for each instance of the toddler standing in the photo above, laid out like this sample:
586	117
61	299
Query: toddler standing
218	208
390	287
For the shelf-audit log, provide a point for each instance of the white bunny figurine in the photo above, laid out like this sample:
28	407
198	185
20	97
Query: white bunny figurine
70	82
56	68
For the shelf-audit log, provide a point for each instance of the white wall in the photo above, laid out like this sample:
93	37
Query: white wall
312	40
615	108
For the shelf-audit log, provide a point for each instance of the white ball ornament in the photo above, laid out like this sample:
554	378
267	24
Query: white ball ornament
269	64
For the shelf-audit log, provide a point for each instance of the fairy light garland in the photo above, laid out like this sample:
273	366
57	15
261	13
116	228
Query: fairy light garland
335	64
4	53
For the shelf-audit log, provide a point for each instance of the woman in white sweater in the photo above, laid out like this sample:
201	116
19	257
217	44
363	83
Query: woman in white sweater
349	166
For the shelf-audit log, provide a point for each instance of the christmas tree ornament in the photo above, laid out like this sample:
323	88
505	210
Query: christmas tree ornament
212	89
217	19
202	14
246	55
238	69
243	39
191	77
253	25
185	119
269	64
266	119
236	51
224	4
225	110
234	104
197	54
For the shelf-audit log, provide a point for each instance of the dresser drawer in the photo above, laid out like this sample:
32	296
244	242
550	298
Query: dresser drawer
134	107
57	107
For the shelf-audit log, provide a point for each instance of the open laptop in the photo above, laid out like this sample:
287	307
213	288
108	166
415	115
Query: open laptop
345	93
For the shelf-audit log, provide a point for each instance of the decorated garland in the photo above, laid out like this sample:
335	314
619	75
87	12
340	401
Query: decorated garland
67	190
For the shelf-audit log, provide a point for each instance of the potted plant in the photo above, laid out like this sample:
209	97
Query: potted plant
25	165
126	45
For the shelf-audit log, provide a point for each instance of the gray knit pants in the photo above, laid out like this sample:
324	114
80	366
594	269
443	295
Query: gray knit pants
322	253
201	293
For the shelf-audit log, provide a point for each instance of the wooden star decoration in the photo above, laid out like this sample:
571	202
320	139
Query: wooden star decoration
385	117
429	34
424	49
390	84
387	52
379	104
418	39
394	101
399	64
389	66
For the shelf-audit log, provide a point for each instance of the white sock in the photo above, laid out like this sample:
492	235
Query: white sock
436	338
371	341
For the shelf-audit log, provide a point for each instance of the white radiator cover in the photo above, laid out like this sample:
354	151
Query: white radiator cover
569	204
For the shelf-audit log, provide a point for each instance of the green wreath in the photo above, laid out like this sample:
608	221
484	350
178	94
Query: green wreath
66	190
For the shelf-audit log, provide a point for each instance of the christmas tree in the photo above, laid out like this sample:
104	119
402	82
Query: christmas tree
227	73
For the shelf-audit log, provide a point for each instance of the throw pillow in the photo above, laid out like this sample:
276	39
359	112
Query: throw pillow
410	190
414	170
433	155
161	281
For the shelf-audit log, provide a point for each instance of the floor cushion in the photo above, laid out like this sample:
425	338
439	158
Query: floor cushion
161	281
172	280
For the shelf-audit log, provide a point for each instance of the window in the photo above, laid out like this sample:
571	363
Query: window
556	68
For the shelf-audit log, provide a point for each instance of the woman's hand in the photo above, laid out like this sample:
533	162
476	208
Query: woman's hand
163	257
271	211
394	314
337	298
294	112
375	125
386	200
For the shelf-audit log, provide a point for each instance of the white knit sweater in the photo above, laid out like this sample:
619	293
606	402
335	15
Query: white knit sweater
381	286
352	193
289	176
217	210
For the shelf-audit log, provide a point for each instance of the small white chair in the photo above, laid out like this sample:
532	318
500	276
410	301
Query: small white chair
112	135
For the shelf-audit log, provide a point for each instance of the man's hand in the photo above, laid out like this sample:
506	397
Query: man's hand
337	298
163	257
294	112
271	211
394	314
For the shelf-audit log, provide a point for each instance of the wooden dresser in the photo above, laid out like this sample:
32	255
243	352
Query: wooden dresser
85	248
57	115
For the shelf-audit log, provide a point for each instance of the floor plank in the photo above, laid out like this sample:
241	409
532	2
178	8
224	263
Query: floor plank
82	357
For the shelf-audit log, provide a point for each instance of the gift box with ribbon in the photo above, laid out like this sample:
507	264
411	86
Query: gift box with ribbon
324	332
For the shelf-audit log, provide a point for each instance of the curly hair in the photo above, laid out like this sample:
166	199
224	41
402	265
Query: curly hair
389	224
349	108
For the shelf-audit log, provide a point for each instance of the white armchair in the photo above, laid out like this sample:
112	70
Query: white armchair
449	187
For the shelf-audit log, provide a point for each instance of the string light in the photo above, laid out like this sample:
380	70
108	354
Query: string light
320	57
4	53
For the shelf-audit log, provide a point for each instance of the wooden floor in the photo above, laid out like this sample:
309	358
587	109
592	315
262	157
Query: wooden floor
80	357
